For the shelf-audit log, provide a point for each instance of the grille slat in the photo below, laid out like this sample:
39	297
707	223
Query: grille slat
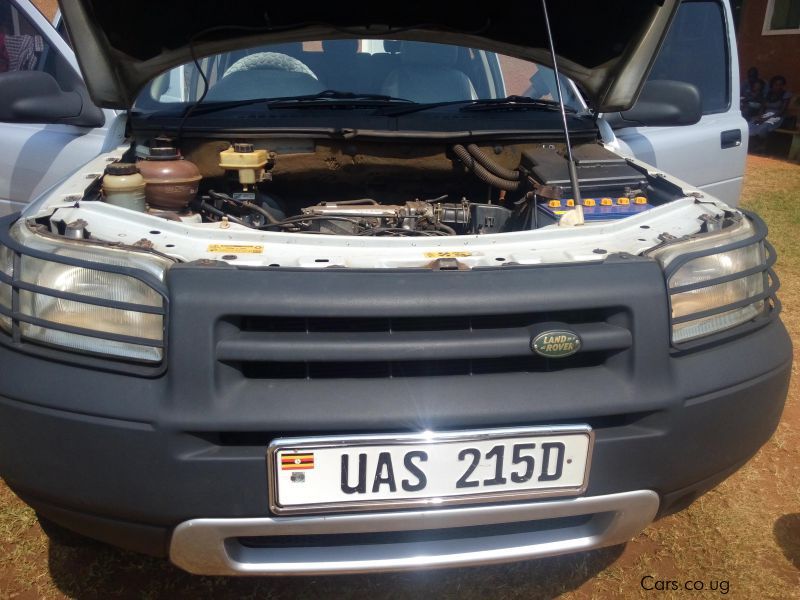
366	346
264	347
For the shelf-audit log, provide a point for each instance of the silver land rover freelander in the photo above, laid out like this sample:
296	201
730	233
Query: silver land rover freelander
372	290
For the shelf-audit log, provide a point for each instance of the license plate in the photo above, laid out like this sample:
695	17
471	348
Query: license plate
377	472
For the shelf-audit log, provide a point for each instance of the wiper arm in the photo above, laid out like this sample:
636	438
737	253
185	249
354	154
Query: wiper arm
338	99
507	103
417	107
513	103
213	107
338	95
327	97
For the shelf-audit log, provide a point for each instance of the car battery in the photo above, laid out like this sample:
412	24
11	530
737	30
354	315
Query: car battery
596	209
601	173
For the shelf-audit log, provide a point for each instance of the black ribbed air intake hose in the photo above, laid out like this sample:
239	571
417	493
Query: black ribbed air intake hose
482	172
490	165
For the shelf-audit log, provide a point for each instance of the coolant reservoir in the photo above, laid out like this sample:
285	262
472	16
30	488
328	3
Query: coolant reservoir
246	160
124	186
172	181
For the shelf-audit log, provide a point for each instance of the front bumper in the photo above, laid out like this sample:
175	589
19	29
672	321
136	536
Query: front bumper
130	460
237	546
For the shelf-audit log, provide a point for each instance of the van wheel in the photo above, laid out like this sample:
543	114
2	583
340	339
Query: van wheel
61	535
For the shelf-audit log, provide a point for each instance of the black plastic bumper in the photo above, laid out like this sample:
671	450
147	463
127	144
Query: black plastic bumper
125	459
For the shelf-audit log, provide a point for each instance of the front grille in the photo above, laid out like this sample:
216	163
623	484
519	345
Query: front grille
263	347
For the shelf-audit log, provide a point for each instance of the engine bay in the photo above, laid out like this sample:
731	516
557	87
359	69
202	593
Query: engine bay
285	201
374	189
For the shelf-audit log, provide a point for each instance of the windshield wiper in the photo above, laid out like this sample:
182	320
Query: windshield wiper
513	103
213	107
325	98
507	103
338	99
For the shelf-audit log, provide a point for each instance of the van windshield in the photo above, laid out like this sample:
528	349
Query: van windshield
417	71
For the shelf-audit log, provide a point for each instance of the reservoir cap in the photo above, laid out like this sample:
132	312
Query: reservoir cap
121	168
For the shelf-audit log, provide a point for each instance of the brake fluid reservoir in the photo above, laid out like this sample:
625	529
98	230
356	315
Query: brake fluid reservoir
124	186
248	162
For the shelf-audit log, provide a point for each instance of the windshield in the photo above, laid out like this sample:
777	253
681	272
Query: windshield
416	71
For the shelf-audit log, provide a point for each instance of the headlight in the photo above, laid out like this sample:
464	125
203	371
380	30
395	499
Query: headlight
78	304
714	291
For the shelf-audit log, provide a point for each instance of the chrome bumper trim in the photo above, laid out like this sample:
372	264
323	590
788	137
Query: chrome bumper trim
212	547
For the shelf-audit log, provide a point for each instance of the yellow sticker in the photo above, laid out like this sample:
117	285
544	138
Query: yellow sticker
236	249
447	254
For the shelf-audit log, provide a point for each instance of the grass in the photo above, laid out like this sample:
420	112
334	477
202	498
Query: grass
745	532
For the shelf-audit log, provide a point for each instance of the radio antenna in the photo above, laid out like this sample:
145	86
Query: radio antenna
573	171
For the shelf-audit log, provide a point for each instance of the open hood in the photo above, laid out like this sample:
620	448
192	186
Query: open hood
607	46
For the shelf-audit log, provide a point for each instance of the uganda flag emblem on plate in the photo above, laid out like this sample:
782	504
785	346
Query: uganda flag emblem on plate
296	461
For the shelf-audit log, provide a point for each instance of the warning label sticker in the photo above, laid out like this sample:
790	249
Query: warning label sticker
226	249
448	254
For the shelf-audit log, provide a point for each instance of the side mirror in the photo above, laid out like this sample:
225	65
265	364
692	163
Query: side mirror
36	97
663	103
